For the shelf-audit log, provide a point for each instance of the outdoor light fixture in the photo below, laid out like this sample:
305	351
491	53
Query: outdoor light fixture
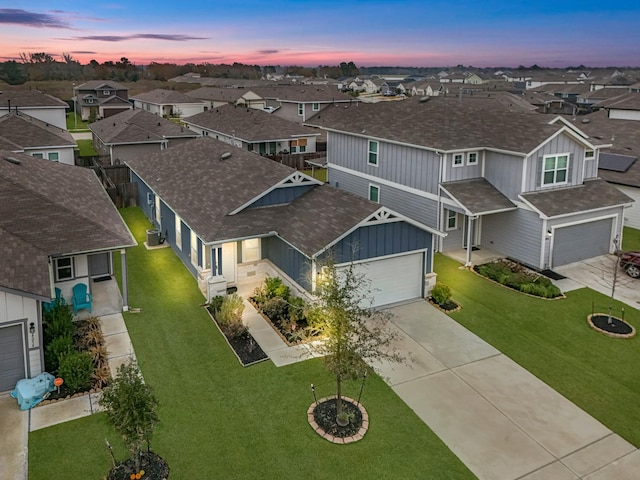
549	233
32	331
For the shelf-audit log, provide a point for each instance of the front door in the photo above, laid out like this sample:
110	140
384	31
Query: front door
229	254
474	231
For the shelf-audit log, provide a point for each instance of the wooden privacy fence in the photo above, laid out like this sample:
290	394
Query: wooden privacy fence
297	161
116	181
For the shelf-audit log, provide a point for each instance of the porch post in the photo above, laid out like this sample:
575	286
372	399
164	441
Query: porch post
125	286
469	236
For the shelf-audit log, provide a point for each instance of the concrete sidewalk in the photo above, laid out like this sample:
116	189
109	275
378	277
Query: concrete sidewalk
500	420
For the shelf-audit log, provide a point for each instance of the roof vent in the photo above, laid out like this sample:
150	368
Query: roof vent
159	124
13	160
586	120
424	99
225	156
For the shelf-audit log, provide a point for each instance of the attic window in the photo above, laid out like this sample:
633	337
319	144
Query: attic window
589	154
106	92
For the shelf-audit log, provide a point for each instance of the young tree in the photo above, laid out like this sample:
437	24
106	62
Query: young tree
354	333
131	408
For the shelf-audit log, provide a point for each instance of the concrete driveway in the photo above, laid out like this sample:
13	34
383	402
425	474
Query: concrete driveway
499	419
597	273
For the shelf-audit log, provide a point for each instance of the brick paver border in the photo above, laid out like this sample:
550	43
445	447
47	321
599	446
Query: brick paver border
339	440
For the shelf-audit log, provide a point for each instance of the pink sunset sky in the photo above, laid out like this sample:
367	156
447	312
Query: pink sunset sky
410	33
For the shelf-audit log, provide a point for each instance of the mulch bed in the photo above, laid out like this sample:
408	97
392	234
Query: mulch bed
245	347
154	466
286	335
616	328
325	416
448	307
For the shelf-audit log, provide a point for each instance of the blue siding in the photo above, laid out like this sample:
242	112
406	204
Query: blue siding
289	260
143	190
380	240
282	195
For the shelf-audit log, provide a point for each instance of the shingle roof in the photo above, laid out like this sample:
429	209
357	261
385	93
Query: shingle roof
99	84
19	131
164	97
229	95
138	126
442	123
49	208
249	124
478	196
627	101
591	195
29	98
303	93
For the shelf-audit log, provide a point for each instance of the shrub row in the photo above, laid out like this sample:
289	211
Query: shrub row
519	278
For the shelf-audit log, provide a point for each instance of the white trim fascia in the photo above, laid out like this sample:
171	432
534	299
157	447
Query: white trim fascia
564	215
382	257
280	184
569	132
579	222
523	182
568	124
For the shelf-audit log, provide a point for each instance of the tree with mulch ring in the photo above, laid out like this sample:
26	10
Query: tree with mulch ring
132	410
325	414
354	334
610	325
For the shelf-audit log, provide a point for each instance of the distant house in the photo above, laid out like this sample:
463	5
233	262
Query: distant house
98	99
135	132
623	107
426	89
58	228
214	97
233	218
520	184
36	104
254	130
25	134
168	103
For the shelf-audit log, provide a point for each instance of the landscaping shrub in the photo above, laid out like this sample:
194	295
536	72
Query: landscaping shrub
518	277
273	287
58	323
55	349
216	303
296	309
441	293
76	369
231	309
276	308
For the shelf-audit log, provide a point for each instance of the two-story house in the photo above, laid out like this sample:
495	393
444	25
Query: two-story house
254	130
98	99
521	184
36	104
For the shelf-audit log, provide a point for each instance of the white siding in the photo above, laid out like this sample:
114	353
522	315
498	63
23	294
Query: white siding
631	214
625	114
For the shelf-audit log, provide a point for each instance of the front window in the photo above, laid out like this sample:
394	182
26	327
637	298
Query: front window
299	146
251	250
194	249
472	158
555	170
452	220
63	269
374	193
54	156
373	153
178	232
458	160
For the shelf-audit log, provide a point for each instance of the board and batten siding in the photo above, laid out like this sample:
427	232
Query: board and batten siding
504	172
404	165
144	195
631	214
296	265
558	145
517	234
380	240
129	152
463	172
282	195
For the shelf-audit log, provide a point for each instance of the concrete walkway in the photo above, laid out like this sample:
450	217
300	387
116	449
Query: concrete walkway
500	420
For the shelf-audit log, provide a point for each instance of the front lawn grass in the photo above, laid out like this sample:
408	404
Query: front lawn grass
551	339
220	420
76	124
86	148
631	239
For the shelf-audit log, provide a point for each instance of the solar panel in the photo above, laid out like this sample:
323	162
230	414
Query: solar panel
615	162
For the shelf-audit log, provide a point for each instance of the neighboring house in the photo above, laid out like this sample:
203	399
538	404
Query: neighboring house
22	133
521	184
426	89
58	228
295	103
36	104
214	97
254	130
233	217
135	132
623	107
168	103
98	99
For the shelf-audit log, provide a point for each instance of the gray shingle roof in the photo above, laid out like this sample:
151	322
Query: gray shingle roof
229	95
138	126
49	208
19	131
303	93
249	124
29	98
100	85
442	123
627	101
478	196
591	195
164	97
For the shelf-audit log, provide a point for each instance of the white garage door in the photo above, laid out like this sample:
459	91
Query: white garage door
582	241
394	279
12	366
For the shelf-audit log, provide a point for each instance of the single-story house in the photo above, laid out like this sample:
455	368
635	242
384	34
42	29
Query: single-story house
58	228
168	103
234	217
36	104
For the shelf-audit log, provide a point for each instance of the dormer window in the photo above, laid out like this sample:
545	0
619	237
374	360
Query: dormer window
555	169
106	92
458	159
472	158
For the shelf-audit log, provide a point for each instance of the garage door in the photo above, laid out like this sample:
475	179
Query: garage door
578	242
12	366
393	279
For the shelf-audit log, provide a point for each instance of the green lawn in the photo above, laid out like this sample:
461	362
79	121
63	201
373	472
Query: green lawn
77	124
551	339
86	148
219	420
318	173
631	239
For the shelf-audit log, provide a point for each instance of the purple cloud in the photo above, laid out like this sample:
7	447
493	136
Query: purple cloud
16	16
147	36
267	52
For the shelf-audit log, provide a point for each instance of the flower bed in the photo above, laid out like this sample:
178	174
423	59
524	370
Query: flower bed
518	277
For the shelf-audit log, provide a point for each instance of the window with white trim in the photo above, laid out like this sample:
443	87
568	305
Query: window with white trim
301	109
373	153
472	158
555	169
589	154
374	193
37	155
315	107
452	220
299	145
194	249
63	268
251	250
178	232
458	159
106	92
54	156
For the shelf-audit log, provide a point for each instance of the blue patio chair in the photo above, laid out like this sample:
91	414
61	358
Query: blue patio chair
81	298
59	300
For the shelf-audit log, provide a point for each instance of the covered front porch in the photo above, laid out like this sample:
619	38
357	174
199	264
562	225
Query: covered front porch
479	255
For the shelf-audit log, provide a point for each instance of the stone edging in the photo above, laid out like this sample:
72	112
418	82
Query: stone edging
561	296
611	334
434	304
339	440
